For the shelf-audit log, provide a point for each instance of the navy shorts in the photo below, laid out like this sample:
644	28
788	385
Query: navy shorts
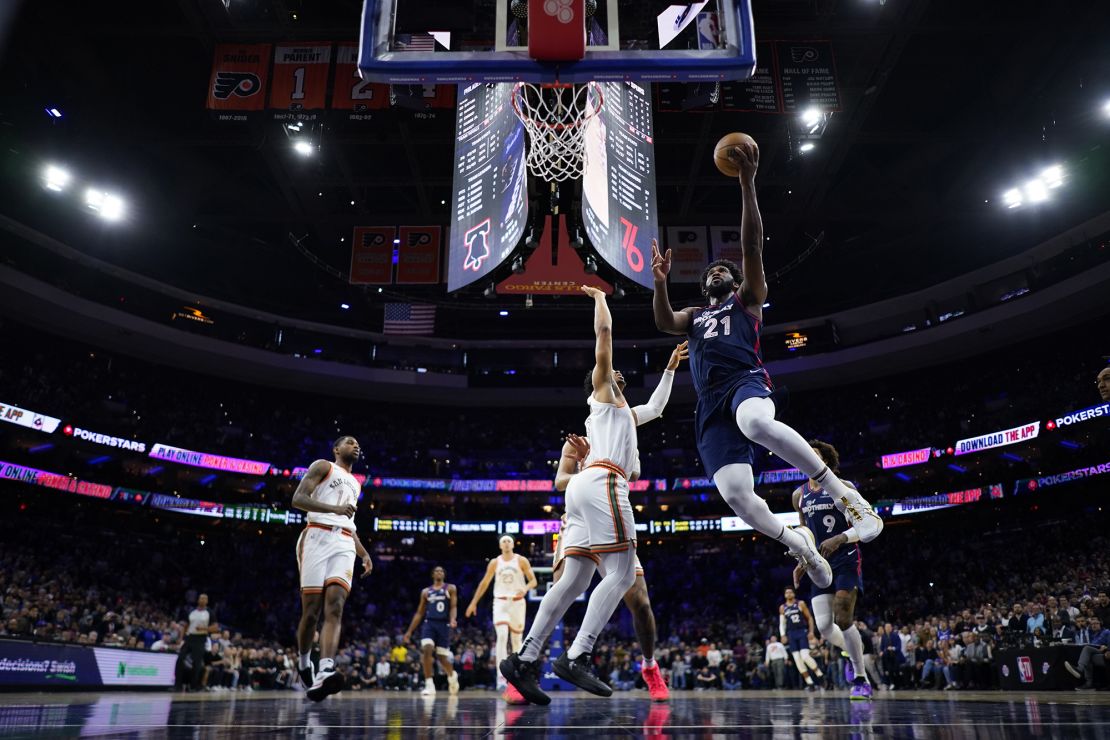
846	576
719	440
797	641
436	631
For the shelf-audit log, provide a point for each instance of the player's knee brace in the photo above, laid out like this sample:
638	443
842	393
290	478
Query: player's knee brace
443	652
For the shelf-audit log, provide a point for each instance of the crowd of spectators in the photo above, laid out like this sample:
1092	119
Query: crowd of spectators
942	595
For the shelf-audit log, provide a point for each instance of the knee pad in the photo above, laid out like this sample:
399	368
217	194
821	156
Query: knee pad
443	652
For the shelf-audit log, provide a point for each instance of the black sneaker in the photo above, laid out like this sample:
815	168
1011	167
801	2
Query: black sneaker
325	684
524	675
308	675
580	673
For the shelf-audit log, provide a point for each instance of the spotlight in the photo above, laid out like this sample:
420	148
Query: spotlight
108	206
502	312
53	112
1012	198
1053	176
811	117
303	148
1106	109
590	268
344	306
518	265
618	292
809	146
55	178
1036	191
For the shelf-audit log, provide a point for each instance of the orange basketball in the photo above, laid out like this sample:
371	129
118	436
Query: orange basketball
720	152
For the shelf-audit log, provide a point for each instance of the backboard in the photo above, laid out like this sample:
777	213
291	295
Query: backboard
460	41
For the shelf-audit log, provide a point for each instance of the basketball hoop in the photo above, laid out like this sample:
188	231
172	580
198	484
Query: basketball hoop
555	116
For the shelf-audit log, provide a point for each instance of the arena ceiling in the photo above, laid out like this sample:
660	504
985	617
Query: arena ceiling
945	105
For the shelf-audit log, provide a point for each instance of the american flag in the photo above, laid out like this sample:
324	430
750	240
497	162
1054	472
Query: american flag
415	42
407	318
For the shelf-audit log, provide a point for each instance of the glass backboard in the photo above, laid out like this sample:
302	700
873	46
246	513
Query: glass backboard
460	41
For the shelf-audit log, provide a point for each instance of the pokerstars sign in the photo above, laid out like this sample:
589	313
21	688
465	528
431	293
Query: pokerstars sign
30	419
1077	417
104	439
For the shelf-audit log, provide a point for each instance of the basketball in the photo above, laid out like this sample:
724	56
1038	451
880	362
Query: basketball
720	152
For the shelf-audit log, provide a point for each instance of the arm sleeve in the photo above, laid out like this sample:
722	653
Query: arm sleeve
653	409
782	625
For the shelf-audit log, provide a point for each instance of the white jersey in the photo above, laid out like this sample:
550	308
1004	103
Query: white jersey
508	579
338	488
611	430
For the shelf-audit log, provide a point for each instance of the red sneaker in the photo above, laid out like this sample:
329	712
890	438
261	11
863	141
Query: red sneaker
657	687
512	696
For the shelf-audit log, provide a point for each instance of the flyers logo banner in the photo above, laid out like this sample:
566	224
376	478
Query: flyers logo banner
418	255
689	252
352	94
372	255
725	241
238	82
300	78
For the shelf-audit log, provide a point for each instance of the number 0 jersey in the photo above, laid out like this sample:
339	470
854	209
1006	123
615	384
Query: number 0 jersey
439	602
724	347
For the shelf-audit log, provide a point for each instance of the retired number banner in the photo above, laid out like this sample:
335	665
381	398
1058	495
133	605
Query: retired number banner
300	77
238	81
418	255
372	255
352	94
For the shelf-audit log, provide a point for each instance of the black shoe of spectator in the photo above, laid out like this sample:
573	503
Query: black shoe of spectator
580	673
524	675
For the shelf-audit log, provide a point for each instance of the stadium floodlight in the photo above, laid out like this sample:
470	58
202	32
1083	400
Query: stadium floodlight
344	306
811	117
55	178
809	146
1053	176
1036	190
1106	109
53	112
108	206
1012	198
303	148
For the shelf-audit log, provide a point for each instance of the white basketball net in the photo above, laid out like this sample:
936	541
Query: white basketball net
555	117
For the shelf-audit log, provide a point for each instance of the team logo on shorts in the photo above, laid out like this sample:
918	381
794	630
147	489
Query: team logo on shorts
242	84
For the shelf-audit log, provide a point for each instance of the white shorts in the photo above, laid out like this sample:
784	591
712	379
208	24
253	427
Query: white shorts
325	556
599	516
560	557
510	611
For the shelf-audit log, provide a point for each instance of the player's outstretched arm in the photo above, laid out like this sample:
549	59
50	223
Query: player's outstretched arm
302	497
483	585
653	409
753	289
575	450
666	318
603	348
416	618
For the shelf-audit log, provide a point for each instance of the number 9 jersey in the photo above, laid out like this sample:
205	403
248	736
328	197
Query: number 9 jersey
826	521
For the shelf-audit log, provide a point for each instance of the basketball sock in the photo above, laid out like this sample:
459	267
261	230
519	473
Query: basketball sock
853	645
737	486
304	660
501	651
811	663
620	574
326	664
649	662
577	574
515	639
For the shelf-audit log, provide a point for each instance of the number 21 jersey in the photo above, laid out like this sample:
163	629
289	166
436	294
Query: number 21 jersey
724	348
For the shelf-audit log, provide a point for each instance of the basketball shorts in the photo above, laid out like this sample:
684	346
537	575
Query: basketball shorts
557	561
720	441
510	611
847	575
325	556
599	516
797	641
435	632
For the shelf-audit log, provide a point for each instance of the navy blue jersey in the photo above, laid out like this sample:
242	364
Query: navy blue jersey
439	604
795	620
724	347
826	521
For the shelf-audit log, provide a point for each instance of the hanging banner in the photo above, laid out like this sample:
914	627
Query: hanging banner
30	419
418	255
689	252
372	255
807	75
760	92
725	243
300	80
353	96
238	81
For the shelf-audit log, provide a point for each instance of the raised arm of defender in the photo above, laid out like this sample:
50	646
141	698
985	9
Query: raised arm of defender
653	409
603	351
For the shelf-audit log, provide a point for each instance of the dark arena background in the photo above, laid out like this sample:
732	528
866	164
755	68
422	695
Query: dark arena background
241	236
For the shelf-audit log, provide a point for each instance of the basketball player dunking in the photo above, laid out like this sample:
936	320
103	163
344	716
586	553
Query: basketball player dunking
834	606
600	518
326	559
576	450
512	579
438	608
796	630
735	404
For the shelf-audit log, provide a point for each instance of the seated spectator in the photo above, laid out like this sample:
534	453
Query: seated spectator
731	677
679	669
927	661
704	679
1093	655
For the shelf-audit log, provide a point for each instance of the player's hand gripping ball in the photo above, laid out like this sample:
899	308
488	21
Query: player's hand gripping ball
725	156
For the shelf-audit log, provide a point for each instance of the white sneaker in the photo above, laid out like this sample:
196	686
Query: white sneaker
429	688
327	682
453	682
814	563
860	515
